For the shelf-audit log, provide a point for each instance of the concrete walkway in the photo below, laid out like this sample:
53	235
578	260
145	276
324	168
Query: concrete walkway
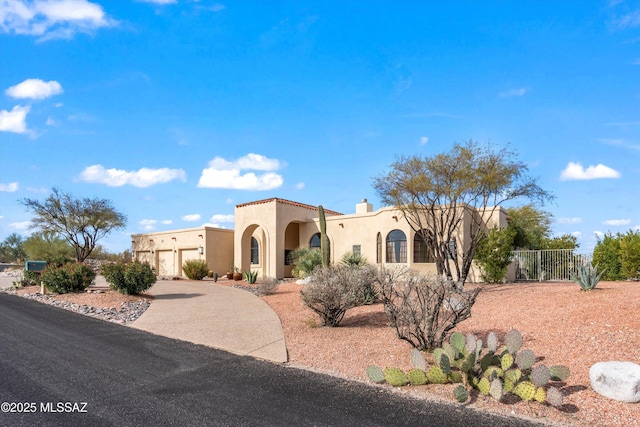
217	316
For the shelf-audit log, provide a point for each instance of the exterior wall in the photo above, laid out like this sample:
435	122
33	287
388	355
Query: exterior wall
168	251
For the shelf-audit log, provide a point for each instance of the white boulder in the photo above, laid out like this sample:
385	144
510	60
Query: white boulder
616	380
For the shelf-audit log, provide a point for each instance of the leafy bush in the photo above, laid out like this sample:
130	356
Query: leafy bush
195	269
305	260
493	254
69	277
619	255
334	290
630	255
353	258
130	279
423	309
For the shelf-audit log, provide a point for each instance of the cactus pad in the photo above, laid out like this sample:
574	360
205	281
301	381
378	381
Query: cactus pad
506	361
417	377
469	362
493	372
437	354
375	374
540	396
461	394
525	390
456	377
417	359
513	340
445	364
525	359
484	386
540	375
395	377
508	386
554	397
496	389
559	373
492	342
513	375
436	376
458	341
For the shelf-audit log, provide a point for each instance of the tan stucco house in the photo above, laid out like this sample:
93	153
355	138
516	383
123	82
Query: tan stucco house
266	231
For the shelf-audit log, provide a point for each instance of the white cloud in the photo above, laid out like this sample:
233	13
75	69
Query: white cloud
35	89
9	188
617	222
424	140
51	19
222	173
629	20
51	122
300	186
513	92
575	171
191	217
574	220
15	120
159	1
20	225
166	222
148	224
623	143
144	177
222	218
599	234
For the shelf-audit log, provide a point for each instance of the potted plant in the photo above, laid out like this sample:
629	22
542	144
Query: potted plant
230	272
237	275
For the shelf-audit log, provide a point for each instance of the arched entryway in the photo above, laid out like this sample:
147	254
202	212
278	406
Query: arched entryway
254	254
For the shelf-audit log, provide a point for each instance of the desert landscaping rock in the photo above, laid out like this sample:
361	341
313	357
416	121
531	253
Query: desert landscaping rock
616	380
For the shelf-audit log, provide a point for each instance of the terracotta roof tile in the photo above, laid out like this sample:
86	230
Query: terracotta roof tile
287	202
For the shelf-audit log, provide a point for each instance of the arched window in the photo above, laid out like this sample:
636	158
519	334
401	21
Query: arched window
421	252
396	247
255	251
379	248
315	241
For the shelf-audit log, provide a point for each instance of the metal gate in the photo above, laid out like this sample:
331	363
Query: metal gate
548	265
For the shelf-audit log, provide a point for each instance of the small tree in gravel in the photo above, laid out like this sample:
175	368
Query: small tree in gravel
332	291
423	309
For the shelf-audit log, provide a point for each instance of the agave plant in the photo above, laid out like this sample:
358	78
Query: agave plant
587	277
250	276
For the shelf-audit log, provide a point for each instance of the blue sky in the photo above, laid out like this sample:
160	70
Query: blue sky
176	111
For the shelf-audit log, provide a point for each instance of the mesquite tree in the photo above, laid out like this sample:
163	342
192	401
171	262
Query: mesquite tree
434	194
82	222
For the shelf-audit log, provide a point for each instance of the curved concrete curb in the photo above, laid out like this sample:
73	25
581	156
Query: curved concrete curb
217	316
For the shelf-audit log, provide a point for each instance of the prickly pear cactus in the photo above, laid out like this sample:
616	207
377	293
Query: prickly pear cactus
461	394
559	372
554	397
540	396
471	343
417	359
513	341
437	354
513	375
525	359
375	374
484	386
493	372
417	377
456	377
508	386
525	390
506	361
492	342
458	341
540	375
396	377
496	389
445	364
436	376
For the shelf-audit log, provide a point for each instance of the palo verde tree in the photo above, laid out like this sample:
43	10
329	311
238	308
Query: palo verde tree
434	194
82	222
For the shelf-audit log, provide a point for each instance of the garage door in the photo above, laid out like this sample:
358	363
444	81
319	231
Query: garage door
165	263
186	255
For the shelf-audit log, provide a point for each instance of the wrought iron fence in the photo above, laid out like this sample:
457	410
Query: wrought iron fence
548	265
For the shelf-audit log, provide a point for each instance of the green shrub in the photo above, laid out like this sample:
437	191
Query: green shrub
493	254
353	259
305	260
131	279
69	277
195	269
250	276
607	255
630	255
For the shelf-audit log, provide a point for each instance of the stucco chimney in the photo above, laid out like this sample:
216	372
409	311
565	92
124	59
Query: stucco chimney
364	207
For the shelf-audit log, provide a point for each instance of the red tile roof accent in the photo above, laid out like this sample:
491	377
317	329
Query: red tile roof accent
287	202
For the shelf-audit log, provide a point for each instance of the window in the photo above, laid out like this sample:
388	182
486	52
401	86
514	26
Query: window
421	252
255	251
315	241
396	247
379	248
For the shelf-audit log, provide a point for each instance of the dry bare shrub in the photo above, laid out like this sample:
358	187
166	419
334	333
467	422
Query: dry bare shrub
421	308
334	290
266	286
